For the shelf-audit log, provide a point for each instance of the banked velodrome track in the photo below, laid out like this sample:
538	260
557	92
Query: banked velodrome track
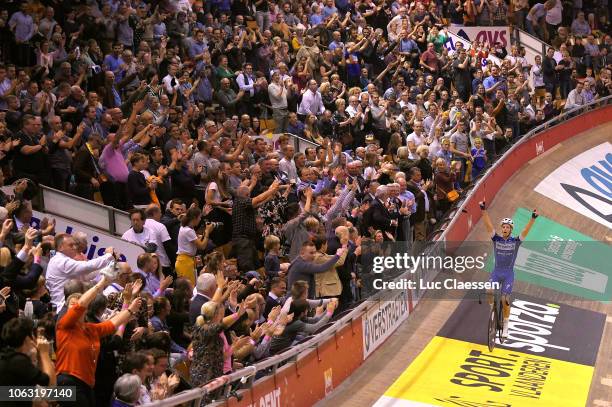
561	354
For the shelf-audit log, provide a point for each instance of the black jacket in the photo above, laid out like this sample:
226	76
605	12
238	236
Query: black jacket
378	217
138	191
419	197
195	307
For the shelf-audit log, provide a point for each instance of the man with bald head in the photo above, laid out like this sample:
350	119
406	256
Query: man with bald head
228	98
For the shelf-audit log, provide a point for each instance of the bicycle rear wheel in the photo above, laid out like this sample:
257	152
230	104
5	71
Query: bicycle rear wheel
492	327
500	320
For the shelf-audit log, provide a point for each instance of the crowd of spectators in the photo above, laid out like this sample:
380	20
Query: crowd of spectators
183	112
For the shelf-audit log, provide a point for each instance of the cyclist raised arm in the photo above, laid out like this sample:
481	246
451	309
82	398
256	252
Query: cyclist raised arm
487	219
529	224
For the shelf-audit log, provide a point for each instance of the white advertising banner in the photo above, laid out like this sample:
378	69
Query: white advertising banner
491	35
380	321
98	241
584	184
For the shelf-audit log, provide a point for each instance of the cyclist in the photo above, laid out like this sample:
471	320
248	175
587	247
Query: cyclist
505	248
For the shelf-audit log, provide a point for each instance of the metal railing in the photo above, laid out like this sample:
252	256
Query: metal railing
81	210
528	41
300	143
247	374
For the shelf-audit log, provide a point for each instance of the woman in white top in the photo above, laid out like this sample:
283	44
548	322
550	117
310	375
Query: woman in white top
218	197
189	243
45	57
538	77
435	134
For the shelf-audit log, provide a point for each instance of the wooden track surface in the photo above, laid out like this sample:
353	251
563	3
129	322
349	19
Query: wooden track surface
381	369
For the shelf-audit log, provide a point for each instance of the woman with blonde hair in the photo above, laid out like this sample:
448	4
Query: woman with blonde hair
310	129
395	142
211	350
354	91
327	96
424	163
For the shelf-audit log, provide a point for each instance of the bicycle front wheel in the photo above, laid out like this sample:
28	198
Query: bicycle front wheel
492	328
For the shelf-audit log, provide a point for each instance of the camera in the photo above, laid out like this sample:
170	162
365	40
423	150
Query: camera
216	225
150	247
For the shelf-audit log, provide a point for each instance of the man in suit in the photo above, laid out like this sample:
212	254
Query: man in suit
206	285
354	169
378	216
85	168
419	189
278	288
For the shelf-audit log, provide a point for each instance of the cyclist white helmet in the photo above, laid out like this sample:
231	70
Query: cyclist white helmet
507	221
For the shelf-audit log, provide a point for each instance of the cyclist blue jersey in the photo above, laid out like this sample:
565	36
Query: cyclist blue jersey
505	251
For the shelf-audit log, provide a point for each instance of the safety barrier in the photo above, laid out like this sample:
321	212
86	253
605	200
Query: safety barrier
533	45
81	210
300	143
309	371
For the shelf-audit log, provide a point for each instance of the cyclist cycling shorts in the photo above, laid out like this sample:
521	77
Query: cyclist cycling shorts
505	278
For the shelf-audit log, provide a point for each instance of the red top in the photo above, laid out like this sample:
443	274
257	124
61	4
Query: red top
78	344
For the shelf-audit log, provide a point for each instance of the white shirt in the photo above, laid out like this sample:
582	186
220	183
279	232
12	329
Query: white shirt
312	103
416	139
150	234
246	83
278	102
538	76
351	110
186	237
288	167
62	268
147	235
114	288
574	99
555	14
167	82
162	235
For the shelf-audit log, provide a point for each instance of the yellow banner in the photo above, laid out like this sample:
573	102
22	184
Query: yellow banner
455	373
